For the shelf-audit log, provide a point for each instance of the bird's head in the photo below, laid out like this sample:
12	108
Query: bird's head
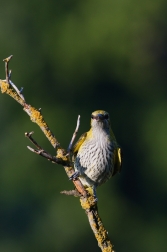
100	119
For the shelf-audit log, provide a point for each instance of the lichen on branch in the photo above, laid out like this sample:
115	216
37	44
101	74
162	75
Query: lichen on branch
62	157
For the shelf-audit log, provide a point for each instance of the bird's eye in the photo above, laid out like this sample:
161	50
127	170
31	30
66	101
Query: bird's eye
92	116
106	116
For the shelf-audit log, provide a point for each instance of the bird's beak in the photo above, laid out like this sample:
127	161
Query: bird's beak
99	117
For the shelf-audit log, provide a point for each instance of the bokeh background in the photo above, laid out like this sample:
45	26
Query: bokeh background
74	57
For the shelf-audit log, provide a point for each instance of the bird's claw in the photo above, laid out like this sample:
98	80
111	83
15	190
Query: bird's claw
74	176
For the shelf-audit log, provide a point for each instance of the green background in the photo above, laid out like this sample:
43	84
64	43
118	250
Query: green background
74	57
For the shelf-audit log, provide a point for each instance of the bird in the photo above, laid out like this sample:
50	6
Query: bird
96	155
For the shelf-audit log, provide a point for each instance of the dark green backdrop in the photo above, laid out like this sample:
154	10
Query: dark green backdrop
74	57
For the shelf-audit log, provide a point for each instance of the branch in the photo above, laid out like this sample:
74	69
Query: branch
62	157
8	87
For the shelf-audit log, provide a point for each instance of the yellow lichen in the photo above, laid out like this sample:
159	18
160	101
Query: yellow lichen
4	86
87	203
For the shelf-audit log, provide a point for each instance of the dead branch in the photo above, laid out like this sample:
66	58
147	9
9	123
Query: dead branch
74	193
62	157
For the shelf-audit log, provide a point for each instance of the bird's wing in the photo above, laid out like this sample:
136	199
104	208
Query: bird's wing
79	143
117	154
117	160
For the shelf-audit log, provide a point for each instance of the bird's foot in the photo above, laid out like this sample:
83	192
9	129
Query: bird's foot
74	176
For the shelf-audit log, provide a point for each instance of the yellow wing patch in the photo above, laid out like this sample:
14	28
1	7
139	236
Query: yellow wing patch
79	143
117	161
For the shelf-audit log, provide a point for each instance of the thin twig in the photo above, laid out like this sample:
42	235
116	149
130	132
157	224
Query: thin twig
40	151
29	136
8	77
45	154
19	92
74	135
74	193
7	68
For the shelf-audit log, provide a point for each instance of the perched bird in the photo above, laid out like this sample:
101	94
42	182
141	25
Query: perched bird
96	155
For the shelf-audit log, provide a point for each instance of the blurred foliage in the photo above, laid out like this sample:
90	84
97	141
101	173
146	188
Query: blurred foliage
74	57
